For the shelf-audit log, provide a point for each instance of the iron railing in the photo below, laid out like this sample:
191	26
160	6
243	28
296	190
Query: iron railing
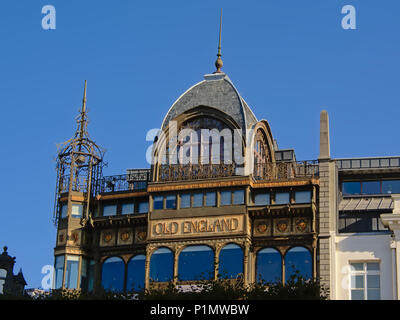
179	172
286	170
134	180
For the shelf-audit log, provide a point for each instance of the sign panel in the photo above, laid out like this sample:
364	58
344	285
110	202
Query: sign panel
194	227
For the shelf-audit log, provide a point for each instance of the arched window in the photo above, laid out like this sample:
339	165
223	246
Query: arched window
3	275
269	265
162	265
135	276
196	263
298	259
261	155
230	261
112	276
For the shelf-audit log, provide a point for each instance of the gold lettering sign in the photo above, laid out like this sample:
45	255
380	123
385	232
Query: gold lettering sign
190	227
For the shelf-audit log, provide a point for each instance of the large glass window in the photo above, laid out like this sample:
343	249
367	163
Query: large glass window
76	210
64	210
3	275
136	274
365	281
143	207
71	272
196	263
109	210
353	187
231	261
161	265
302	196
185	200
282	198
158	202
170	202
197	200
391	186
298	259
371	187
59	271
127	208
92	264
112	275
238	197
261	199
226	198
211	199
84	274
269	265
350	222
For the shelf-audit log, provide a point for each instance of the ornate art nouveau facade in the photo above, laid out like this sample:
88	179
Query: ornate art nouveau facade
221	199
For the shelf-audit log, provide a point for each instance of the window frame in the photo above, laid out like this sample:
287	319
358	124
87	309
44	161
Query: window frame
365	272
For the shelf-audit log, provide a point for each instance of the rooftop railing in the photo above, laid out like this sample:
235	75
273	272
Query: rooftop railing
134	180
286	170
368	163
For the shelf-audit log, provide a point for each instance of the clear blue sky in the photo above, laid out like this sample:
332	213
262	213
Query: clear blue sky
288	59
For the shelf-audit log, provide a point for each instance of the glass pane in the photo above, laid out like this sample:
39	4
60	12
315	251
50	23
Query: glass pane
231	261
357	282
371	187
302	196
374	294
2	282
112	275
391	186
261	199
226	198
110	210
91	275
357	294
84	275
127	208
64	210
158	202
269	265
298	259
351	187
59	266
143	207
136	274
373	281
238	197
77	210
3	273
282	198
357	266
170	202
161	265
196	263
197	200
211	199
71	272
373	266
185	200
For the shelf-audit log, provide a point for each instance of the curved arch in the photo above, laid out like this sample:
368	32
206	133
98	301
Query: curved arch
135	273
162	265
196	262
269	265
231	261
299	259
113	273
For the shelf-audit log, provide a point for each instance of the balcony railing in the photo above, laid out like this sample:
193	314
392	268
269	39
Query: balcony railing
134	180
286	170
368	163
179	172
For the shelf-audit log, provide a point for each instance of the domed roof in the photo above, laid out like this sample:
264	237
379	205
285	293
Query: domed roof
216	91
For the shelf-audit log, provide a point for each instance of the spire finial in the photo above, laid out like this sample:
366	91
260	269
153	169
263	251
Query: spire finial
84	100
219	62
83	120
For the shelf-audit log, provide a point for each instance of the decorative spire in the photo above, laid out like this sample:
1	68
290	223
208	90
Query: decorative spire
83	119
219	62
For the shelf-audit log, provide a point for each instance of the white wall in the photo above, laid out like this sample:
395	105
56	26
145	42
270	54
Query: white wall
363	247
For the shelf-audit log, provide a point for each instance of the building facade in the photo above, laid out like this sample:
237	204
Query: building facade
220	199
